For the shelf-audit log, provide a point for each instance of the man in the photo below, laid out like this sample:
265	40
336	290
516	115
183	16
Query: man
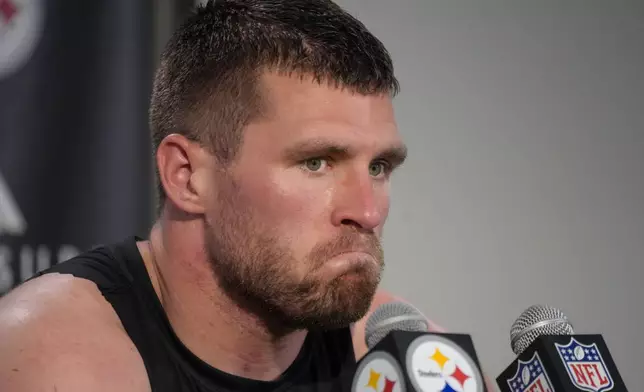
275	140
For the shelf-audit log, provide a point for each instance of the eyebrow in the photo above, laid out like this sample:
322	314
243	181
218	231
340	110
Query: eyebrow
395	154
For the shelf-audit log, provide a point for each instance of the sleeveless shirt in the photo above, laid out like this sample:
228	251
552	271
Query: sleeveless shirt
325	360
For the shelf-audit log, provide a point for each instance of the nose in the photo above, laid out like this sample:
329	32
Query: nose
360	203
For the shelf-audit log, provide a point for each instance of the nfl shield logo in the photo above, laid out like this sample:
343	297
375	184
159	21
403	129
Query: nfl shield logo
585	366
530	377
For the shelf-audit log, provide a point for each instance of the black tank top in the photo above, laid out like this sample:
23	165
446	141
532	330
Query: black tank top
326	358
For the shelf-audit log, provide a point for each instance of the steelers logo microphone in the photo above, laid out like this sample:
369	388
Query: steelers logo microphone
552	358
404	356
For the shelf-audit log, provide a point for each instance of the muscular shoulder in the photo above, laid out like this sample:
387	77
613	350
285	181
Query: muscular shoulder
57	332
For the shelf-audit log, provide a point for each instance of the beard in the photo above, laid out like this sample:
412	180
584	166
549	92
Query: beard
254	266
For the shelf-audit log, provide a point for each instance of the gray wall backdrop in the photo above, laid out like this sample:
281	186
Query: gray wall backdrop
525	182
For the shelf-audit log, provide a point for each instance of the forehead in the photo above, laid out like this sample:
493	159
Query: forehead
301	107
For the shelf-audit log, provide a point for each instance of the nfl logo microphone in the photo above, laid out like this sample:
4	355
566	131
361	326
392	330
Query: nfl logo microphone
529	376
551	358
585	365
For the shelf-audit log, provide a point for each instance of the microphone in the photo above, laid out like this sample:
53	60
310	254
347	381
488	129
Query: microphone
404	356
551	357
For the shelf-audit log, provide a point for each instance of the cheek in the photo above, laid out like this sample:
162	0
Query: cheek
296	216
385	206
382	195
290	206
383	203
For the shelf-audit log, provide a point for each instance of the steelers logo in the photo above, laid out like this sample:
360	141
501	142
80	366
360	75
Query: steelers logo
435	363
21	26
378	372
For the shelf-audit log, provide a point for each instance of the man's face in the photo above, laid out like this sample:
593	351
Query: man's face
296	221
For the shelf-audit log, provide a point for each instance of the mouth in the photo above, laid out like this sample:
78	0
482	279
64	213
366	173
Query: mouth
354	252
350	261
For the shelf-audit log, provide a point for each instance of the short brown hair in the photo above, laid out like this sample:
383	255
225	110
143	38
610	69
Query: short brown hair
206	84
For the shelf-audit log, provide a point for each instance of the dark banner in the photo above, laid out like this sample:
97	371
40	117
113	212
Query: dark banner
75	161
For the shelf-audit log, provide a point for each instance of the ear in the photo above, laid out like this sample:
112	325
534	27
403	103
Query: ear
182	165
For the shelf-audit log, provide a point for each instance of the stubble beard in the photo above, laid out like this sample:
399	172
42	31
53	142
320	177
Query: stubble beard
254	268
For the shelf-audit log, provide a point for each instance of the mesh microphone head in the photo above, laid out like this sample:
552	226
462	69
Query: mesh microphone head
391	316
535	321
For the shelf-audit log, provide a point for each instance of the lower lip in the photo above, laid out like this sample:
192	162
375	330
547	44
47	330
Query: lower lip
345	262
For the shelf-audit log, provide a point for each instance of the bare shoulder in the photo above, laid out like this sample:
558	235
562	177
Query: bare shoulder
57	332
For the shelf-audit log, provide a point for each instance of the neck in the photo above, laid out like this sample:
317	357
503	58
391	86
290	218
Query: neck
204	318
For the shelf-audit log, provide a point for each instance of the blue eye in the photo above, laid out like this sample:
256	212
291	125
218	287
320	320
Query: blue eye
378	168
315	164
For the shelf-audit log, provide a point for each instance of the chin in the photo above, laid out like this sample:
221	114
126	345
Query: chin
347	299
